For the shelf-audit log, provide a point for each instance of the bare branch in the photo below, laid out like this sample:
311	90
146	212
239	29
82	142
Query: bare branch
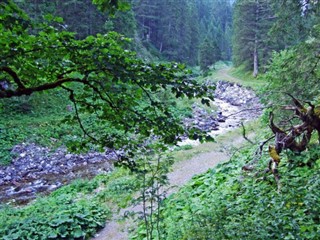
244	134
246	110
28	91
73	100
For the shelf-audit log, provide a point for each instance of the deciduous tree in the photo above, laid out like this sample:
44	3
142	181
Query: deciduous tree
109	85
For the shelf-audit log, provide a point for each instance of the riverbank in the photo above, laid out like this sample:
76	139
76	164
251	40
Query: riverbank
40	170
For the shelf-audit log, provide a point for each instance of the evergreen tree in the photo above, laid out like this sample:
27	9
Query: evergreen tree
177	28
252	45
80	16
294	22
209	54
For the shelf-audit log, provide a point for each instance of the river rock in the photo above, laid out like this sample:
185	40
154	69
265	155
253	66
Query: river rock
235	104
37	169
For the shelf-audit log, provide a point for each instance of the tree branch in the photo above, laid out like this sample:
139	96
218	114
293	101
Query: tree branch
73	100
244	134
14	76
28	91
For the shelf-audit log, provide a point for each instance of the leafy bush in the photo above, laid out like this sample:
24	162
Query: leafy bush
75	211
59	217
296	71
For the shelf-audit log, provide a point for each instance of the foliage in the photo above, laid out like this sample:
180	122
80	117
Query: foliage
112	6
169	30
152	169
209	54
75	211
295	71
294	21
228	203
71	11
267	26
118	188
60	217
34	119
252	22
103	79
177	29
124	23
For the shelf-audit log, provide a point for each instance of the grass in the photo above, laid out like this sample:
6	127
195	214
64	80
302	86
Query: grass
225	71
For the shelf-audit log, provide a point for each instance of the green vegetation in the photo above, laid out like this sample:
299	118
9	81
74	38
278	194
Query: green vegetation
113	93
72	212
176	31
247	198
263	26
54	217
209	54
229	203
296	70
35	119
117	99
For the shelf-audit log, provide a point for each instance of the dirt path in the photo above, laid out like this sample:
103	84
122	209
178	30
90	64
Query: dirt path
223	74
183	171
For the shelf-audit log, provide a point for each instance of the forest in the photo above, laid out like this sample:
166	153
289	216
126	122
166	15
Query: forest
159	119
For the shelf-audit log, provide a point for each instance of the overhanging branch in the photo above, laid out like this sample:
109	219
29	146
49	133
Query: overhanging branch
14	76
28	91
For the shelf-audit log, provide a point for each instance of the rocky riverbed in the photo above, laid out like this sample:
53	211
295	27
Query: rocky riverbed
37	169
233	105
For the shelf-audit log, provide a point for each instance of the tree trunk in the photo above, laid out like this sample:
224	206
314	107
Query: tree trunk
255	58
255	50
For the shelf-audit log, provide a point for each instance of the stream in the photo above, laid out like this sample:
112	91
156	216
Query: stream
39	170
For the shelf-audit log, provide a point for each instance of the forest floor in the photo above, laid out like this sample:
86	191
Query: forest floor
191	162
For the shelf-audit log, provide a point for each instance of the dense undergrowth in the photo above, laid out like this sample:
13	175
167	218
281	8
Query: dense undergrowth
48	120
75	211
229	203
36	118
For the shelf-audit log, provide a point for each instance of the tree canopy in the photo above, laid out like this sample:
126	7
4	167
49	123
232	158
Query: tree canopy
112	91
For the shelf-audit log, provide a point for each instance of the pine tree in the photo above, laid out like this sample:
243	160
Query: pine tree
252	46
177	28
209	54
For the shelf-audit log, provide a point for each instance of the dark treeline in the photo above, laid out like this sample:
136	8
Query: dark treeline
181	29
193	32
264	26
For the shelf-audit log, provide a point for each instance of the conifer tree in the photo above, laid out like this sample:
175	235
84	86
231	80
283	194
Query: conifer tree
209	54
252	45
